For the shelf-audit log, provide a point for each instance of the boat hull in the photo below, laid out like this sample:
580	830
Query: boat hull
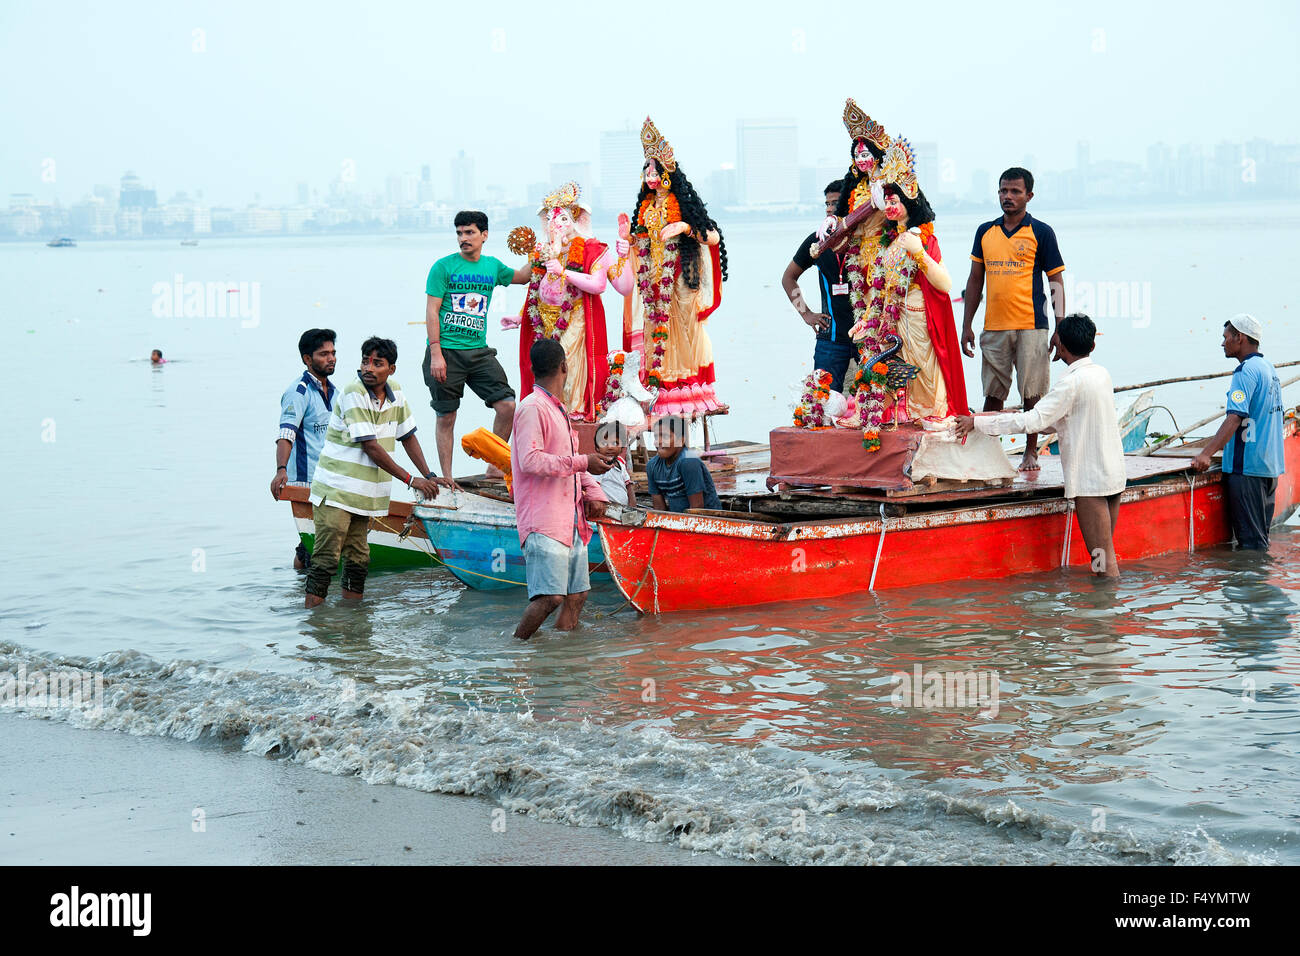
390	549
685	562
478	541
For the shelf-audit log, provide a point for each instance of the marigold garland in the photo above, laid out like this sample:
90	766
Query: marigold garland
532	309
614	384
811	410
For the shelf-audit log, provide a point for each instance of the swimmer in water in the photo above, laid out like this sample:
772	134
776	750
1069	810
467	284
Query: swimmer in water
156	358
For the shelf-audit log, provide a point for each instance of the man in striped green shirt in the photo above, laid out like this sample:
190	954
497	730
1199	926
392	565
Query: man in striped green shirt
352	475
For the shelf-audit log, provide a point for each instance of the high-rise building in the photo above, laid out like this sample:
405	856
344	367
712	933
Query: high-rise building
462	180
134	195
723	188
424	191
767	158
927	167
579	173
621	161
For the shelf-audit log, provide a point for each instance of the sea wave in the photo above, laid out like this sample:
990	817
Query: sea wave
642	781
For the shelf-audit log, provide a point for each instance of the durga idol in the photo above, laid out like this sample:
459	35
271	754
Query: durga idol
563	300
672	263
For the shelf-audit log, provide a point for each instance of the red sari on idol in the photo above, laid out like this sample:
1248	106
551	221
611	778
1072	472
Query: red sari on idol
594	347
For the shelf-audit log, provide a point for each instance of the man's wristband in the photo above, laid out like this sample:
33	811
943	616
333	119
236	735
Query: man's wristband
282	468
429	476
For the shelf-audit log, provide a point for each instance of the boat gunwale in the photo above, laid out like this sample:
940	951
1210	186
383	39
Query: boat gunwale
825	528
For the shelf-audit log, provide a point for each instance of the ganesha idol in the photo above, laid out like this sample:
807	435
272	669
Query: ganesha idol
563	300
672	262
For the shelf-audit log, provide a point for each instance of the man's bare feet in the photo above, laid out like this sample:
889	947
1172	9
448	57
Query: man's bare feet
314	600
1029	462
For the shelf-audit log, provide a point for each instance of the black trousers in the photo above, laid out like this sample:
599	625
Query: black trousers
1250	508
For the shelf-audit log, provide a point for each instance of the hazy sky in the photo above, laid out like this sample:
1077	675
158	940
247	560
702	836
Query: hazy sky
283	92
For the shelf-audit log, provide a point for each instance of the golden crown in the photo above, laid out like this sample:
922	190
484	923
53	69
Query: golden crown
899	167
656	147
862	126
565	197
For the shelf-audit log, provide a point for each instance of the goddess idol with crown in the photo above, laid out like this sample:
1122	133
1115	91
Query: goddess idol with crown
563	300
905	294
672	262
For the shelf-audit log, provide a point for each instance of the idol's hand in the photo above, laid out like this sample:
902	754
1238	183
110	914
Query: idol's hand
878	194
673	229
911	244
624	228
554	267
827	228
621	247
511	322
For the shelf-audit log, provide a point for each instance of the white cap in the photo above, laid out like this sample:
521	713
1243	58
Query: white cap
1247	324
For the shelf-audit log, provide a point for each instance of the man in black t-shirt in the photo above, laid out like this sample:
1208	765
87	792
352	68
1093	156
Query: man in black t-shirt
834	350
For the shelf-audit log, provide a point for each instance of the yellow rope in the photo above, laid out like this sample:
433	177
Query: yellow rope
453	567
430	552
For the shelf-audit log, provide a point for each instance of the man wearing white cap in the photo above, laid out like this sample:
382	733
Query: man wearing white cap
1251	435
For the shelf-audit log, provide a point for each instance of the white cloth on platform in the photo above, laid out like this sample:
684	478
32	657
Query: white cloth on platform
1082	407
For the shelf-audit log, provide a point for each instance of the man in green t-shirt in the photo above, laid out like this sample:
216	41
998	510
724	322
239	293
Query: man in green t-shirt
459	291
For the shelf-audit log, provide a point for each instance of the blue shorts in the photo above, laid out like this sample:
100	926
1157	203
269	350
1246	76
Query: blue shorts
551	568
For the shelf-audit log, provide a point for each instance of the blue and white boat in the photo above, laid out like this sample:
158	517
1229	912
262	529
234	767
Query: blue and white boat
477	537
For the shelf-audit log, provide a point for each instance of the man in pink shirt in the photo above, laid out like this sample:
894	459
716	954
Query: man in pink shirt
555	494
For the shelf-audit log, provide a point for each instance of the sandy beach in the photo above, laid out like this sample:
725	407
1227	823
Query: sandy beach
103	798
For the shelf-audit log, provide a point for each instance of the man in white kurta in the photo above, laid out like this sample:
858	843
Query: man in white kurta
1081	406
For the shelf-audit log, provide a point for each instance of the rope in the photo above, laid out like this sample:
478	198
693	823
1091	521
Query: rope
1191	514
432	554
880	546
649	569
1065	545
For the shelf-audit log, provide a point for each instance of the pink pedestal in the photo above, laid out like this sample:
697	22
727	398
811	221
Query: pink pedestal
835	456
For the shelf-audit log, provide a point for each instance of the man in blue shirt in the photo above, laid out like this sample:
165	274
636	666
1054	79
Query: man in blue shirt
1251	435
305	410
678	480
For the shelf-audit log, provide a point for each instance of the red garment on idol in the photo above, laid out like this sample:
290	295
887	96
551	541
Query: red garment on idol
596	341
942	326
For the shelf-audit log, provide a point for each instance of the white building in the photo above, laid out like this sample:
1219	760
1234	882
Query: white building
621	161
767	156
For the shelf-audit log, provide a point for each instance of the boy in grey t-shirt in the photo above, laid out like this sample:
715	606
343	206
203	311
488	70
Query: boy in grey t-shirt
678	480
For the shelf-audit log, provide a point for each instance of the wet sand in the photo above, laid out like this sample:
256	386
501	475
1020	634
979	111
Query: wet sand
91	797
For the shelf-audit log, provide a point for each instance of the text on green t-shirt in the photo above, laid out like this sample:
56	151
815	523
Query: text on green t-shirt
466	291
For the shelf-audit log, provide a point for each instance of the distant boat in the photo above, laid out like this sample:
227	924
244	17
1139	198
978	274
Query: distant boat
189	242
61	243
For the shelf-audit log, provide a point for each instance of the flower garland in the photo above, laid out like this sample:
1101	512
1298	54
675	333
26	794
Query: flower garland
614	384
574	260
656	290
811	410
878	318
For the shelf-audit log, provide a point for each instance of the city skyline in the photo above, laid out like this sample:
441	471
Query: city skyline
242	101
764	179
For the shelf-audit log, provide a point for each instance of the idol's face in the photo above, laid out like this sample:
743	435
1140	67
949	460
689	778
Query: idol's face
863	159
651	174
561	223
894	208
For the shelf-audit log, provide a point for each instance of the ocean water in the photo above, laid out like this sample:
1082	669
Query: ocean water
1151	722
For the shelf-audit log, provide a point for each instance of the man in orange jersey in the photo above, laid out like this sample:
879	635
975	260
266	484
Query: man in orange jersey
1012	254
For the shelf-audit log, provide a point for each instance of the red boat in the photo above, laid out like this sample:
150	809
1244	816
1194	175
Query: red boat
696	561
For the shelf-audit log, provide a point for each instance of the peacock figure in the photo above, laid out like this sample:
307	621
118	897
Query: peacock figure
896	379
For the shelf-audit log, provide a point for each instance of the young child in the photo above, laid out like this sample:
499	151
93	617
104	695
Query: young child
678	480
611	438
